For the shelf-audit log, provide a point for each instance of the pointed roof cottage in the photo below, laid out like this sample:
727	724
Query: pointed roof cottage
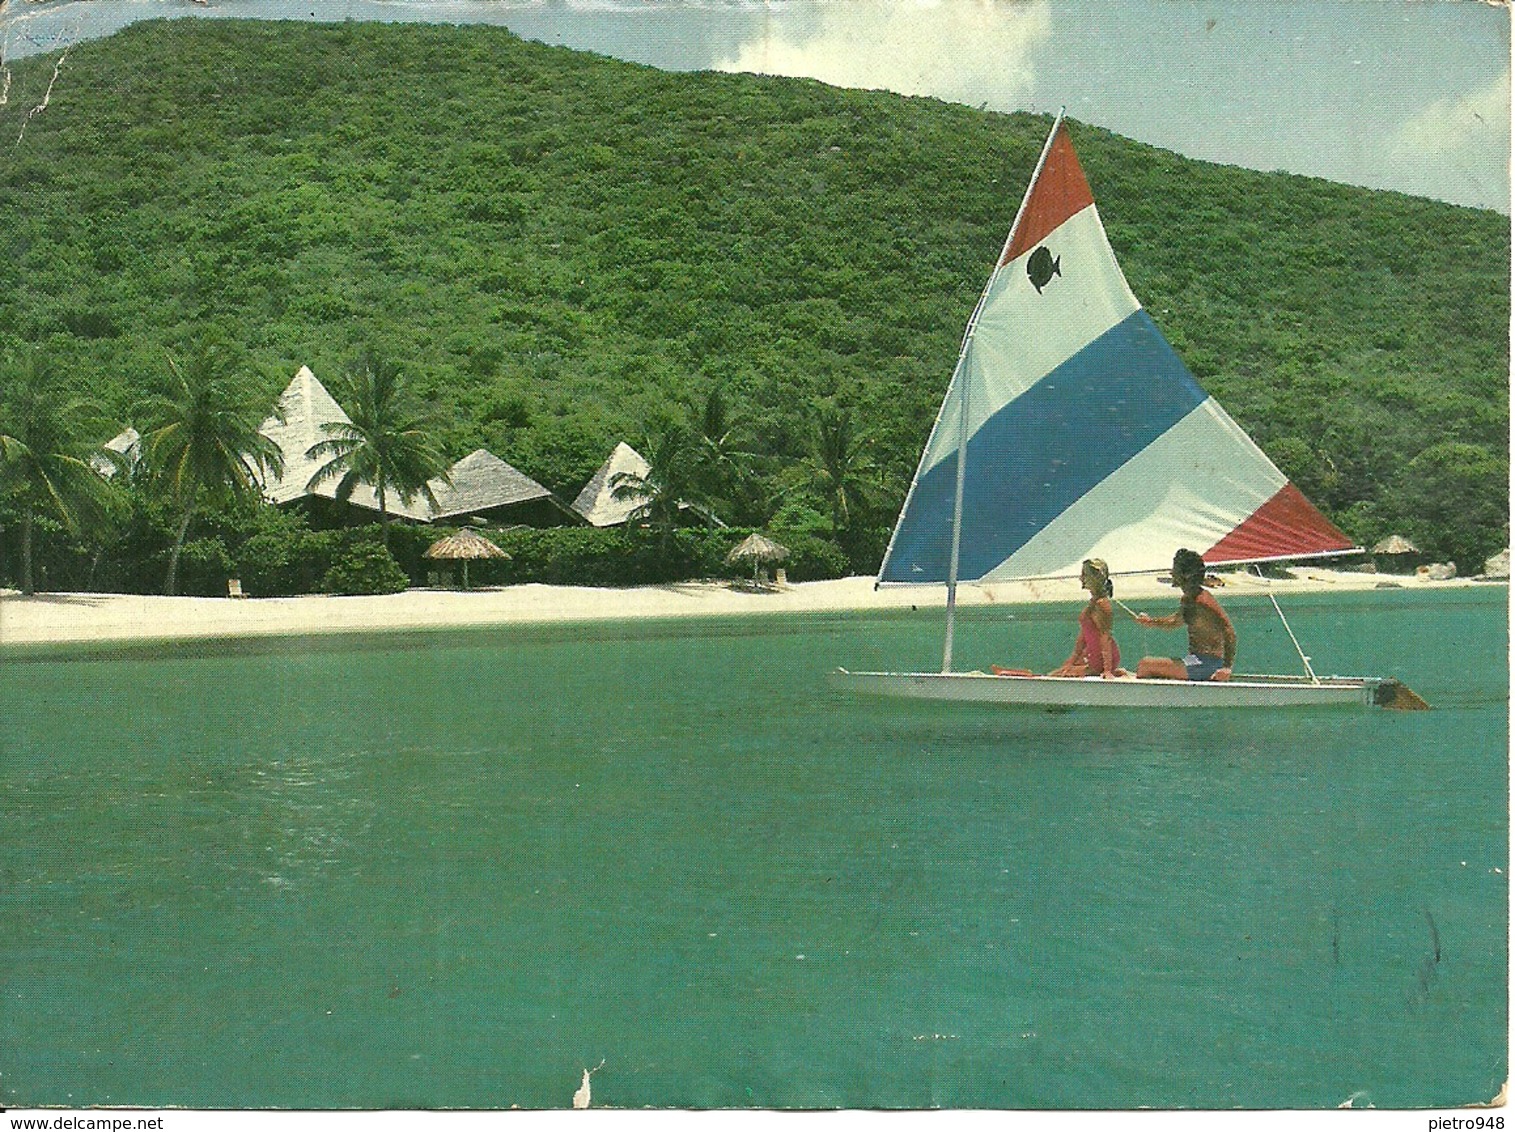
597	502
306	407
481	483
126	444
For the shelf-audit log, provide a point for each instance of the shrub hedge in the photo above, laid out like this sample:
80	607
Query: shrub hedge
365	566
275	553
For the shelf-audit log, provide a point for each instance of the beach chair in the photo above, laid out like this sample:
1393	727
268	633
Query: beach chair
234	587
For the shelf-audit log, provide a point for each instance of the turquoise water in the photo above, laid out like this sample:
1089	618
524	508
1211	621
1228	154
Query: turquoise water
456	869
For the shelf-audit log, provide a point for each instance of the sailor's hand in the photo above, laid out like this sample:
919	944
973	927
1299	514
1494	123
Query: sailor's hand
1107	675
1222	674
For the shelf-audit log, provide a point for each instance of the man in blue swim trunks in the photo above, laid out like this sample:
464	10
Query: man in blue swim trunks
1212	639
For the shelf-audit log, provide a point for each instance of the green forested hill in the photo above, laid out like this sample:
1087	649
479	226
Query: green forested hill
563	248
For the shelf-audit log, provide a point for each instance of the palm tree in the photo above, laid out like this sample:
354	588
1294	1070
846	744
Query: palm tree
670	483
723	467
387	443
44	462
840	465
201	442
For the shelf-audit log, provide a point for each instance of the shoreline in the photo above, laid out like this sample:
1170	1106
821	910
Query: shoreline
90	618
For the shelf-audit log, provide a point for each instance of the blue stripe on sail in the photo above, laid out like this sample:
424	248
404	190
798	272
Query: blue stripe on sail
1033	459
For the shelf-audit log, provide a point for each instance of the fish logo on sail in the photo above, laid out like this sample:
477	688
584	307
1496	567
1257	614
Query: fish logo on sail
1041	267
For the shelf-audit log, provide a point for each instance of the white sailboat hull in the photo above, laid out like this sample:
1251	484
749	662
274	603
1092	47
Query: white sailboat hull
1060	692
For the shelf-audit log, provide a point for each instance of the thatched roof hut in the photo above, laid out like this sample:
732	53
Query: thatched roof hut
1395	544
486	486
482	483
597	503
307	408
757	548
126	444
466	544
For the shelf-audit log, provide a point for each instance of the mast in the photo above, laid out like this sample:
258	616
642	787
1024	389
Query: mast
957	506
962	380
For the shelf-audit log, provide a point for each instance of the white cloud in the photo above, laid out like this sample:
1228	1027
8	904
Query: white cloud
973	51
1456	149
1460	124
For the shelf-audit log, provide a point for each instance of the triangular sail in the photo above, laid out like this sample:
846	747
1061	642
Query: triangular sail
1086	435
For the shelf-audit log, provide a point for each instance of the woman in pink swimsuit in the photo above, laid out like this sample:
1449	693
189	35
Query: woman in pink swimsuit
1095	652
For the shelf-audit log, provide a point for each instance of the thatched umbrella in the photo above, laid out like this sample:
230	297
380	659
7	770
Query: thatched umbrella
465	545
760	550
1396	544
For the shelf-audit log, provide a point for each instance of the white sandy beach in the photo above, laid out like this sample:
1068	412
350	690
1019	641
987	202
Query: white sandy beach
59	618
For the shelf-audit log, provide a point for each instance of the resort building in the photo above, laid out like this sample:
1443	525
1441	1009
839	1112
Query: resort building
599	507
488	490
597	503
484	487
306	408
126	444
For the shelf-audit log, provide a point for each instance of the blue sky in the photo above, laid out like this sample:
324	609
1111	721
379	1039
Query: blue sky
1412	95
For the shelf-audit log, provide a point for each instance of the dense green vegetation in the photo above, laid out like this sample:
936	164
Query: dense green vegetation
564	251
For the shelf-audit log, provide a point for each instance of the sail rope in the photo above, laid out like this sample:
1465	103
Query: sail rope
1279	609
1314	679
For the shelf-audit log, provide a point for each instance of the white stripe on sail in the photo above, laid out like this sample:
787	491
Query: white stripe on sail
1190	487
1021	335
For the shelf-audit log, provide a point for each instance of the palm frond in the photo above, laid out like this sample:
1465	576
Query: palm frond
388	443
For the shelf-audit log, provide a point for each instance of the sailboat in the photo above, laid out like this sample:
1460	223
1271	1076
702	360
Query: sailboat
1072	430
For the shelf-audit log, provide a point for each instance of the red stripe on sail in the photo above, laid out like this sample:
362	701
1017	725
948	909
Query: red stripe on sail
1286	525
1059	193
